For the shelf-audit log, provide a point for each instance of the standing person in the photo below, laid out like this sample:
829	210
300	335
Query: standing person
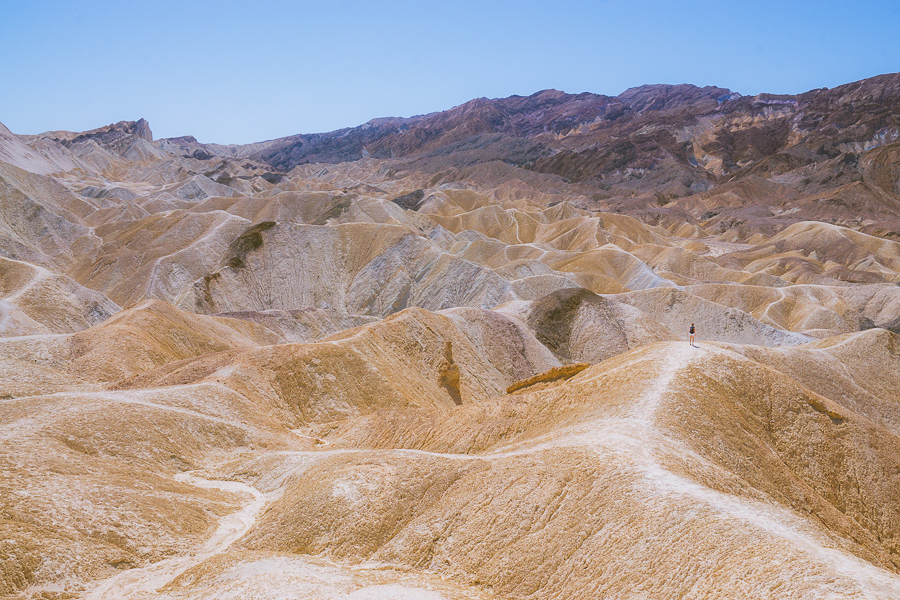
692	334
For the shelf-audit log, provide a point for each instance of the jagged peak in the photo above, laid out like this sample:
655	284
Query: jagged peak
140	128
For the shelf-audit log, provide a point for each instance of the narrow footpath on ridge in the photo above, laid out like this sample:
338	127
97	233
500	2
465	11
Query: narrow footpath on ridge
144	582
632	437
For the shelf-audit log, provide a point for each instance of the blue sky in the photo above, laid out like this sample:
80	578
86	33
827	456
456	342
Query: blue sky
238	72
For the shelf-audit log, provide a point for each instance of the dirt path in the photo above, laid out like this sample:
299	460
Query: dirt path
144	582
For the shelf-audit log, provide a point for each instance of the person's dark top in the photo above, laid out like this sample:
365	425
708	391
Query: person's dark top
692	329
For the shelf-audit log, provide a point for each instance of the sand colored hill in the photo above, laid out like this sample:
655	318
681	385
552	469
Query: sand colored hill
628	423
447	357
36	300
620	442
463	356
39	219
134	341
302	325
87	479
828	310
580	326
156	256
716	322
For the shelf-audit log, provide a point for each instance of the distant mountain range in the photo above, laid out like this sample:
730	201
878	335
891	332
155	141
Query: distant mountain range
689	137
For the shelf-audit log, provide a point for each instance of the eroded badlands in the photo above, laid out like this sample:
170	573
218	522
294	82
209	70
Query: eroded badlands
448	375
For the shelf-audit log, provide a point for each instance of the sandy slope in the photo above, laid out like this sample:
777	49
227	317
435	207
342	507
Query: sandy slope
144	582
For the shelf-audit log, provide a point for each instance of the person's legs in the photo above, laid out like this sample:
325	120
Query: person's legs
692	339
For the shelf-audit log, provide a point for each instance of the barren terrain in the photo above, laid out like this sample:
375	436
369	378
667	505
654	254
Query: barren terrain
446	356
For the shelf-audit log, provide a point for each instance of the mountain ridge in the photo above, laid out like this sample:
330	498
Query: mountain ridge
685	137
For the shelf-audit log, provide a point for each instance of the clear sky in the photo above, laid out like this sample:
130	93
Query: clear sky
239	72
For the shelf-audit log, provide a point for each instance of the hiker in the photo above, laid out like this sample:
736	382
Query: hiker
692	334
